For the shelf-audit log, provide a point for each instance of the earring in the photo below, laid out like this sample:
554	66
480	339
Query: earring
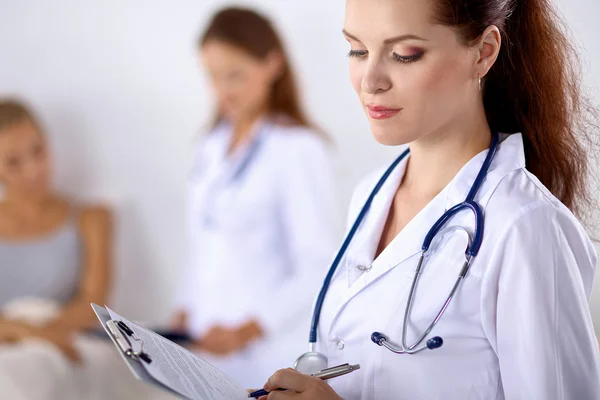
479	77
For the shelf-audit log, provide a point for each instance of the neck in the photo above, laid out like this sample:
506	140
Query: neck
436	158
243	128
26	208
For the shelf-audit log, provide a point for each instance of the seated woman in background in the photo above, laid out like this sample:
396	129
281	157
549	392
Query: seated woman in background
260	207
54	260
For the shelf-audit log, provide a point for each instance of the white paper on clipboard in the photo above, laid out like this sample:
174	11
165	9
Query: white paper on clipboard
173	368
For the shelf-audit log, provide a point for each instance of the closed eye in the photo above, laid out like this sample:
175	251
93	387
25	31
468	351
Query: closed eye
407	59
358	53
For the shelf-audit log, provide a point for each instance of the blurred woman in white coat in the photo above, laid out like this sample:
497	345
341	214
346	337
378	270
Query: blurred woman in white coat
260	207
496	304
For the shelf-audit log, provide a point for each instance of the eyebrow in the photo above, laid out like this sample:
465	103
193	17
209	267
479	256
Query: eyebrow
395	39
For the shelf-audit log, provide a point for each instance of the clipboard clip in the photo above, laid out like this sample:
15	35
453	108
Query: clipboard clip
116	328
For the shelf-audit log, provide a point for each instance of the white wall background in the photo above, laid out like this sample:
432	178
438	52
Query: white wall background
117	85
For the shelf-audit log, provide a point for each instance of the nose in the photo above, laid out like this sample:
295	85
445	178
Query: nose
33	171
219	87
375	79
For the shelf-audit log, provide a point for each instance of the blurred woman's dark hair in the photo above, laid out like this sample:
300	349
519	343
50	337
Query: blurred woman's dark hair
253	33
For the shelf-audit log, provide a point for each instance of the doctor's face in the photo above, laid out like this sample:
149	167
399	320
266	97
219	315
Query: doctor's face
242	83
412	75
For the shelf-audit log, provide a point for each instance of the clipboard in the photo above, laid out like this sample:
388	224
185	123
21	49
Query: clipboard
134	362
165	364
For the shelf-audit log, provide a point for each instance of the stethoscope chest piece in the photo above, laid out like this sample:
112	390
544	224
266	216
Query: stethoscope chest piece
311	362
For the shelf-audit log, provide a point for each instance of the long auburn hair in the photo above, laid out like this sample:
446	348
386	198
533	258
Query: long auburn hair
248	30
534	88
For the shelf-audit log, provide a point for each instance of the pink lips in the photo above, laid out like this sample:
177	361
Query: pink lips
381	112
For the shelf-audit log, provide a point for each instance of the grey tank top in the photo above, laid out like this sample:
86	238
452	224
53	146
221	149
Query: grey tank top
47	268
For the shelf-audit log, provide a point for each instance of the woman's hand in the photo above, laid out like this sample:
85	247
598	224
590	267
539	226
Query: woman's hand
297	386
179	321
13	331
62	339
222	341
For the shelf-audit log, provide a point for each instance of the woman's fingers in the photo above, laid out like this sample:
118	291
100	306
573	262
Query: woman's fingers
286	395
70	352
64	341
297	386
179	321
289	379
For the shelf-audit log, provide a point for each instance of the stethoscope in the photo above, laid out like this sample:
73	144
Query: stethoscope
208	218
314	361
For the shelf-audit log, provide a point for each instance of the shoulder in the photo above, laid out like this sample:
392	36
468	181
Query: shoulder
95	216
295	140
511	194
521	196
298	149
523	218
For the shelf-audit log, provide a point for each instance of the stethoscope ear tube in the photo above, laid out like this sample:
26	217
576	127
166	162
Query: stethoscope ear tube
474	246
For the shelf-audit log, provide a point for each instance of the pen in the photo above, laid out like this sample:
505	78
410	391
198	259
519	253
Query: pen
325	374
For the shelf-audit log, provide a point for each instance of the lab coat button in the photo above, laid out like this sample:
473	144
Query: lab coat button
340	345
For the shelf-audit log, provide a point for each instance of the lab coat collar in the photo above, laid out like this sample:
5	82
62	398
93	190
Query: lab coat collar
230	164
407	244
509	157
363	247
209	151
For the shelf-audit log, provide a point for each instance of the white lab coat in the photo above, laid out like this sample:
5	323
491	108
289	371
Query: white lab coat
520	325
260	242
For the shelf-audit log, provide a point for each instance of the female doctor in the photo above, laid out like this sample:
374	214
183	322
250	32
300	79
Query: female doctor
261	198
444	77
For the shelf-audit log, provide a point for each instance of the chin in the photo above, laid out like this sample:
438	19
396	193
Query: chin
39	193
392	134
229	115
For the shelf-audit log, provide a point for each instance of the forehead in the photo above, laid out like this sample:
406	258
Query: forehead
381	19
18	135
216	52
